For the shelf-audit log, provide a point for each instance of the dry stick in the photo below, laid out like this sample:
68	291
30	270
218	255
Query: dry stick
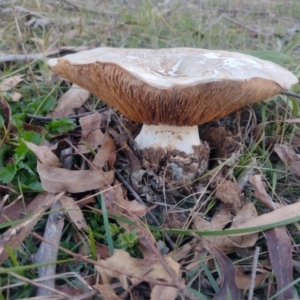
22	57
24	50
253	274
41	118
151	215
48	253
98	263
39	285
289	94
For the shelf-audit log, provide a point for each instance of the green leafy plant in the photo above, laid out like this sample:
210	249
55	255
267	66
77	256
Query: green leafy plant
60	125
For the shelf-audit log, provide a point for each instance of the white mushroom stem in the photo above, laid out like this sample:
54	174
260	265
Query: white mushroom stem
169	137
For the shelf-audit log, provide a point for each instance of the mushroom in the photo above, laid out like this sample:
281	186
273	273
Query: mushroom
172	91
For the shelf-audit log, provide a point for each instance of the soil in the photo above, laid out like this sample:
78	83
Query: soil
229	193
177	167
175	219
223	142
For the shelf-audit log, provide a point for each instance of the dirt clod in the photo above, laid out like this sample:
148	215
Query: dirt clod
229	193
223	142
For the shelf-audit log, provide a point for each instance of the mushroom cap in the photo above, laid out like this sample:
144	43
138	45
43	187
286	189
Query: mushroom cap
175	86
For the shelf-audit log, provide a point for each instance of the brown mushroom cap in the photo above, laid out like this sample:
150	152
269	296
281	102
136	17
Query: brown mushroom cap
176	86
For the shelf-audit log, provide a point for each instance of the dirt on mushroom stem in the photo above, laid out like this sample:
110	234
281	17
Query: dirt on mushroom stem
177	167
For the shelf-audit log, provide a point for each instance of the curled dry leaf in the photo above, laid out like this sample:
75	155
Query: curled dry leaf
74	212
117	204
289	156
228	288
44	154
260	192
10	82
56	180
226	243
91	134
106	154
74	98
243	281
143	268
246	213
280	253
286	153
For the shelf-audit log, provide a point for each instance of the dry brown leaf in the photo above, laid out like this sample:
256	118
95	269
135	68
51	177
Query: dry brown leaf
75	97
295	168
279	215
86	200
228	288
246	213
286	153
91	135
221	217
147	269
296	120
260	192
70	290
15	96
106	291
222	242
45	155
14	236
182	252
243	281
227	243
106	153
280	253
74	212
117	204
102	251
56	180
134	162
289	156
12	212
10	82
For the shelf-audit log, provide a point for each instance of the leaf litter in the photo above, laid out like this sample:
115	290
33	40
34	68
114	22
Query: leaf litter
98	150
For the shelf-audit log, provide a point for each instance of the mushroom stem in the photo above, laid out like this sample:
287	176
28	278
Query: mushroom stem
169	137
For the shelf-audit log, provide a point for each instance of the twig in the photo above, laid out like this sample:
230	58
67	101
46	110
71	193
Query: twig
253	274
40	285
48	253
41	118
40	56
22	57
138	198
289	94
248	27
